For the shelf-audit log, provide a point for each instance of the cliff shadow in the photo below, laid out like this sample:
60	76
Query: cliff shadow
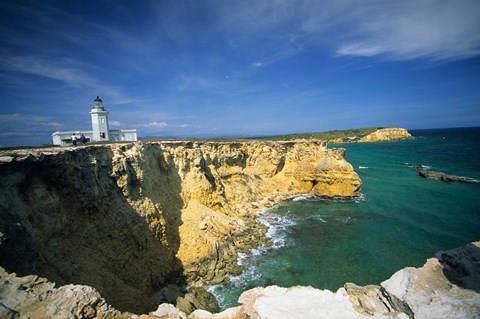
461	266
65	218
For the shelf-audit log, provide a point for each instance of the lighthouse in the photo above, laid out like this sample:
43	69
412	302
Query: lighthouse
99	121
100	129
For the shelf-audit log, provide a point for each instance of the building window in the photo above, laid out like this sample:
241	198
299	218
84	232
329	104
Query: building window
102	135
102	120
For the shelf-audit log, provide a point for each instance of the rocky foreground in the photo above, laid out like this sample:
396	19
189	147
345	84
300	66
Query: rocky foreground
447	286
146	223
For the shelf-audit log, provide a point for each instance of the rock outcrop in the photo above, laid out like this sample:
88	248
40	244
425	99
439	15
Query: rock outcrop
447	286
440	176
140	221
386	134
35	297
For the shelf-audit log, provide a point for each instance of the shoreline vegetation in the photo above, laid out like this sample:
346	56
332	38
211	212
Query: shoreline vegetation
350	135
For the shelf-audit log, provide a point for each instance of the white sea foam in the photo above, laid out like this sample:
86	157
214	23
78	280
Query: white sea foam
277	227
300	198
346	219
362	167
320	219
361	199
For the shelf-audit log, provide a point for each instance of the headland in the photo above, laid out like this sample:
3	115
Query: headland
132	219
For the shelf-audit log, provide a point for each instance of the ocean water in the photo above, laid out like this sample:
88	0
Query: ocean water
402	219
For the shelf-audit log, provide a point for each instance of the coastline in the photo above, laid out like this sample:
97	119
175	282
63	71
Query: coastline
192	203
139	177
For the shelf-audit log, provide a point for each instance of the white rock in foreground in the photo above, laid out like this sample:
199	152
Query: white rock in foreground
447	286
299	302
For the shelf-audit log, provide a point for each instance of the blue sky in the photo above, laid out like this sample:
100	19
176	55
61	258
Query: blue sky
243	68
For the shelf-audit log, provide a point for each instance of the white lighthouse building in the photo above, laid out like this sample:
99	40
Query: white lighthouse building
100	129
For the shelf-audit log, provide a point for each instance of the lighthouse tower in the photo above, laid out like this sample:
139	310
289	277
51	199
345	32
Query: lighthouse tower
100	128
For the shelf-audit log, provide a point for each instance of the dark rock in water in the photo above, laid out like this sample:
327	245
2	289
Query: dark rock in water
418	167
440	176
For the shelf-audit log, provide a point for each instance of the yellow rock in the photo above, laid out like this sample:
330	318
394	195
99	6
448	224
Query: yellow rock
386	134
137	212
212	186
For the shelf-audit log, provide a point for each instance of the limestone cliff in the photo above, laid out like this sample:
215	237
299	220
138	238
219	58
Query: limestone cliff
386	134
129	219
447	286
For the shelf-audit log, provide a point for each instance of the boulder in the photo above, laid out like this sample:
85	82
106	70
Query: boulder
197	298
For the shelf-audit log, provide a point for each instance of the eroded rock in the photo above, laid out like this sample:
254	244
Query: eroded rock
440	176
34	297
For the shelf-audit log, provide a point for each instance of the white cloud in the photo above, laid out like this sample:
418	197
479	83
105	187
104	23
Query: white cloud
115	123
155	125
185	125
51	124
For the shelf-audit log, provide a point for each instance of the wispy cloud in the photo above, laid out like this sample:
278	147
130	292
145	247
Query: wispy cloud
275	57
155	125
435	30
65	70
20	125
298	91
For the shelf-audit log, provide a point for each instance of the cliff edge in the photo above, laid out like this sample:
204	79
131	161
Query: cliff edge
141	221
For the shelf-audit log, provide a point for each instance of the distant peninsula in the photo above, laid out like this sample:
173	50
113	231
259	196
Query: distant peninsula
369	134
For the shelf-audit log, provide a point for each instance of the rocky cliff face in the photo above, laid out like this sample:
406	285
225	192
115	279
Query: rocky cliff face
386	134
447	286
129	219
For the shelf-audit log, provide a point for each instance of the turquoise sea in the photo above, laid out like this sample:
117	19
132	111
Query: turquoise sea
402	219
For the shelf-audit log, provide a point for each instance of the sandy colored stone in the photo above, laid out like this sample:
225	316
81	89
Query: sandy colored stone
386	134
